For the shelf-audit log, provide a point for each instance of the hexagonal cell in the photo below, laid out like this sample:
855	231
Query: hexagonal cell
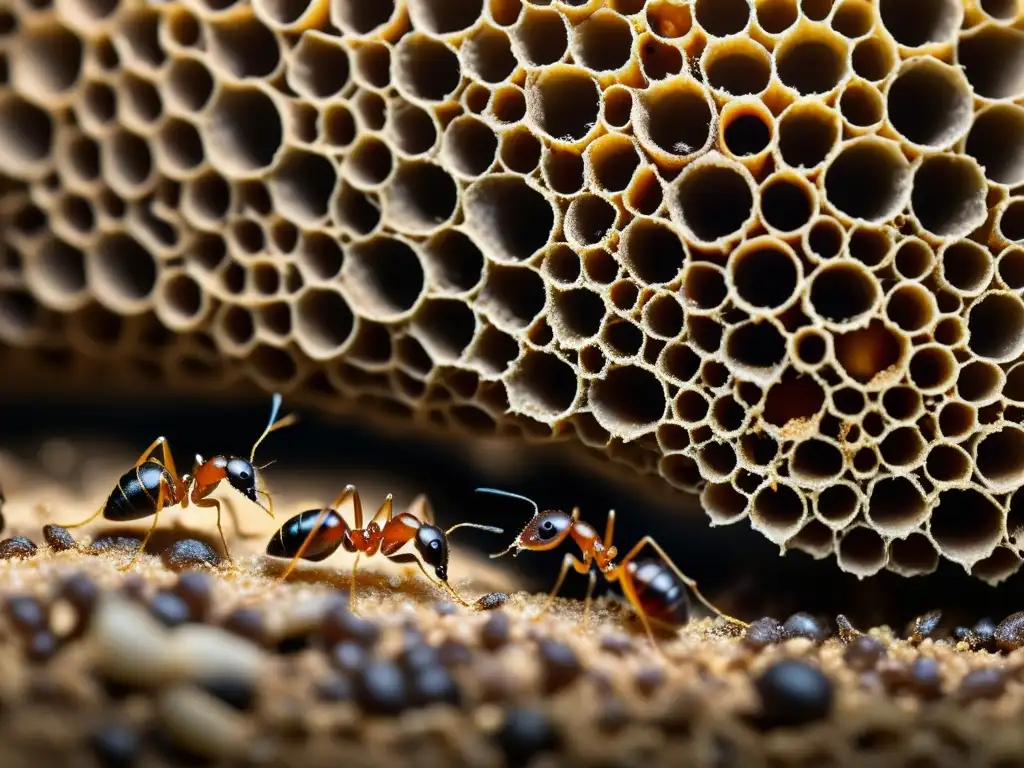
384	278
934	21
868	179
563	102
508	217
712	199
542	385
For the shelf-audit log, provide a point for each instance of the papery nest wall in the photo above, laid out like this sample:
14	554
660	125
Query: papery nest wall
771	252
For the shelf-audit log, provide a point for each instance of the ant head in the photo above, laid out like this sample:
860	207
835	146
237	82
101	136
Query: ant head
432	545
546	530
241	474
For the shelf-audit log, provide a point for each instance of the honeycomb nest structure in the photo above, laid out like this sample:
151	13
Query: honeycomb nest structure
770	251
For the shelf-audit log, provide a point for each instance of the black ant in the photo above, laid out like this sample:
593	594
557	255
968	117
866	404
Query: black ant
316	534
153	484
655	588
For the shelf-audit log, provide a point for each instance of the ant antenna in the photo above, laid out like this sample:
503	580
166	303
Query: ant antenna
489	528
515	544
272	425
496	492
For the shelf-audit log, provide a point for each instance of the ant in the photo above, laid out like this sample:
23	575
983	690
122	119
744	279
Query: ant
655	588
153	484
316	534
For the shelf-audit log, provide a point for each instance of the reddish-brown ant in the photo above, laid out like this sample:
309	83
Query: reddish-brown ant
316	534
655	588
153	484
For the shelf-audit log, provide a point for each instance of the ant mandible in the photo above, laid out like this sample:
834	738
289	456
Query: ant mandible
316	534
655	588
153	484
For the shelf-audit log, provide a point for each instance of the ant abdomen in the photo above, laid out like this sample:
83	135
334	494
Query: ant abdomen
331	534
663	597
137	492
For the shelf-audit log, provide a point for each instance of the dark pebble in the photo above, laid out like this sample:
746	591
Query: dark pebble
649	679
847	632
189	553
434	685
82	594
417	655
969	636
982	684
233	692
195	588
561	664
863	653
169	609
1009	635
338	688
612	715
924	626
247	623
490	601
339	623
617	643
762	633
525	734
454	654
348	656
381	688
18	547
804	625
926	678
794	693
58	539
116	746
127	543
496	631
985	629
26	614
446	608
289	645
134	587
42	647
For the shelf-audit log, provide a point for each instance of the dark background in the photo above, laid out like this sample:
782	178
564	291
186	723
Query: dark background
734	565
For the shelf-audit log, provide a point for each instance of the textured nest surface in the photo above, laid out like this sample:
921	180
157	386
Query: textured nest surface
185	662
768	251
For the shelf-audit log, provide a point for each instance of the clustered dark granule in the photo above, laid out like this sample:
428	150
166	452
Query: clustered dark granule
380	669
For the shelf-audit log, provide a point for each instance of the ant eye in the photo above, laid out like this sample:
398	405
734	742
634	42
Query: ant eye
435	544
547	529
244	475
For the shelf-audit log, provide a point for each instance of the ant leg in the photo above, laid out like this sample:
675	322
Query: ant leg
628	590
306	542
690	583
168	459
352	585
334	505
87	520
586	602
161	500
422	509
235	520
609	529
215	503
388	507
567	561
167	463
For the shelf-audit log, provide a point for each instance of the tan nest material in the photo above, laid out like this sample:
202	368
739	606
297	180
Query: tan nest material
769	251
184	661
